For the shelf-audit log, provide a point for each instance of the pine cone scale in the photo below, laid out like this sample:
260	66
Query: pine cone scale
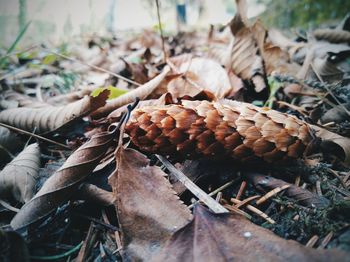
225	128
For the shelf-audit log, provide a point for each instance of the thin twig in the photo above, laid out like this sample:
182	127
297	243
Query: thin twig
312	241
161	31
204	197
8	206
256	211
93	66
271	194
34	135
216	191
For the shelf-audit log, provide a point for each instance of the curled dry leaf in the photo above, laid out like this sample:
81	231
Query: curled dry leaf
63	183
70	97
148	209
140	92
231	237
50	118
329	138
245	58
301	195
332	35
226	128
19	177
198	75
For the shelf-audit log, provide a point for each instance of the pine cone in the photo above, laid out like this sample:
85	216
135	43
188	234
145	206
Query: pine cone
225	128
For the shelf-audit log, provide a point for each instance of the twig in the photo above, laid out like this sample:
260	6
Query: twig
312	241
271	194
8	206
256	211
216	191
161	31
326	240
204	197
238	211
241	189
338	177
246	201
93	66
34	135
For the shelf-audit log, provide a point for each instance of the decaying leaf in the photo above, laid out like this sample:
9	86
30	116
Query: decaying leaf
13	247
246	61
302	196
148	209
225	128
63	183
231	237
198	75
18	178
9	143
330	138
50	118
141	92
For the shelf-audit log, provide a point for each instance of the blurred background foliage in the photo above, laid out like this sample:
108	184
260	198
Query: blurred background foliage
306	14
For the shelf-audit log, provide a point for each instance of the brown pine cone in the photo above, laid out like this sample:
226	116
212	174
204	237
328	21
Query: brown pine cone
225	128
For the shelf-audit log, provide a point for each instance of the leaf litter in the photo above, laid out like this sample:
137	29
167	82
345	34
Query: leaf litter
244	127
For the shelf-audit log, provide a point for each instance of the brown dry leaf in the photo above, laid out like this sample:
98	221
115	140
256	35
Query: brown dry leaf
140	92
231	237
63	183
302	196
148	209
329	138
198	75
246	62
18	178
50	118
70	97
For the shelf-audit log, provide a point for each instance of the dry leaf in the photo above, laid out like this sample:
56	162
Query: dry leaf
148	209
332	35
140	92
246	61
9	144
50	118
223	129
231	237
330	138
200	74
19	177
63	183
301	195
13	247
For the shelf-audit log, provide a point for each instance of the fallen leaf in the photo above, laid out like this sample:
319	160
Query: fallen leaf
329	138
231	237
18	178
50	118
302	196
114	92
13	247
9	144
63	183
148	209
200	74
140	92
